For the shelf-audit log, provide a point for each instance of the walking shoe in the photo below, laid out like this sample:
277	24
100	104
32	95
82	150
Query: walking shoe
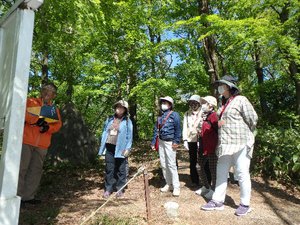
242	210
106	194
209	194
213	205
166	188
120	194
202	191
176	192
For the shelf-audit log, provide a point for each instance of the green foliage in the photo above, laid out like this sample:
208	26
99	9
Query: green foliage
277	151
100	51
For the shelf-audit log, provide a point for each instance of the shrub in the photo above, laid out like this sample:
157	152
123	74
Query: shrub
277	150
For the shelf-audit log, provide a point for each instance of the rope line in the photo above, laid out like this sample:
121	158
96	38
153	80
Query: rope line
139	172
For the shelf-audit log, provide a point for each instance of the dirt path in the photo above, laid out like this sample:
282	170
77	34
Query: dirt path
76	194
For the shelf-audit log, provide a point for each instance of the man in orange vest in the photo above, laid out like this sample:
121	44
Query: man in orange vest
37	135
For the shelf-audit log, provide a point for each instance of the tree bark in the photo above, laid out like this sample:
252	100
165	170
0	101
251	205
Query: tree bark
45	68
260	78
131	83
209	43
294	68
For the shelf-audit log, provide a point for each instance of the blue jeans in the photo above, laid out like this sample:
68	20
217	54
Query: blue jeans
115	169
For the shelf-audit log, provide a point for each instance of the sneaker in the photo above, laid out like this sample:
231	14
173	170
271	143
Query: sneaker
176	192
202	191
120	194
213	205
166	188
242	210
209	194
106	194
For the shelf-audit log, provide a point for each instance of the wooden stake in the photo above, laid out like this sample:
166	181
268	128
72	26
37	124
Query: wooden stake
147	196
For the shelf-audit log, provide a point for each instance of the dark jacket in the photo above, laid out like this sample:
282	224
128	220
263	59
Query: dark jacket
171	130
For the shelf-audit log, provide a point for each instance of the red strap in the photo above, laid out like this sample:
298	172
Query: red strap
159	126
226	104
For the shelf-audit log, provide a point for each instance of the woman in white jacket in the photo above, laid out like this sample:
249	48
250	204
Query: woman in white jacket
192	122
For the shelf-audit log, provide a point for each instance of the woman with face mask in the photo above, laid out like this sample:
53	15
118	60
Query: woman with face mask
237	122
168	130
207	151
116	144
192	122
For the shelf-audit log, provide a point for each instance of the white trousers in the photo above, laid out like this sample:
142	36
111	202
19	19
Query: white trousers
241	163
167	158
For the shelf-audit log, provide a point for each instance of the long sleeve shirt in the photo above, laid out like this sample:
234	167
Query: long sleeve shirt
171	129
192	122
32	135
237	132
124	137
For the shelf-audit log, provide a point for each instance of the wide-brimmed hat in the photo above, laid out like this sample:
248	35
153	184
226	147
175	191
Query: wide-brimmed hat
228	80
210	100
195	98
168	99
122	103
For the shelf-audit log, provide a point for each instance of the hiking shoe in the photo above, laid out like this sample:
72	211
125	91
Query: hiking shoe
106	194
213	205
209	194
242	210
166	188
120	194
176	192
202	191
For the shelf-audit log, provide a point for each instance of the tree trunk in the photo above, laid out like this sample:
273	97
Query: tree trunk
69	91
131	83
294	68
260	78
209	43
45	69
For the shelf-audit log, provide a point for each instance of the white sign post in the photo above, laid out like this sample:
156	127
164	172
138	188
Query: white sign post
16	32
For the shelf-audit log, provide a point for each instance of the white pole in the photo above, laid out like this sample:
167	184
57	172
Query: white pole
15	50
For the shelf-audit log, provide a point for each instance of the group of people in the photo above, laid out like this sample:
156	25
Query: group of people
217	138
200	138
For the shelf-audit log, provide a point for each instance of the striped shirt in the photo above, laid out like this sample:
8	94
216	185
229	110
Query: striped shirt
237	132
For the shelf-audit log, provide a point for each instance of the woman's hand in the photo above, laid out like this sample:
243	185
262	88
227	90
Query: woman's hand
125	153
174	146
221	123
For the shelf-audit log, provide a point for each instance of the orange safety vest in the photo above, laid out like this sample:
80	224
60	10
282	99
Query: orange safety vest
32	135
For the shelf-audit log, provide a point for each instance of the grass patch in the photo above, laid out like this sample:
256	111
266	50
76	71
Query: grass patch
110	220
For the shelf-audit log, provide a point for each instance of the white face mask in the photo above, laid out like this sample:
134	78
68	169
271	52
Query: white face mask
205	107
221	90
164	107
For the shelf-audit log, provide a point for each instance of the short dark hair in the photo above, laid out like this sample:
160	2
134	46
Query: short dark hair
233	91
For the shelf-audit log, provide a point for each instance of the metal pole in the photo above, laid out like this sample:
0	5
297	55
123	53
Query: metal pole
147	196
